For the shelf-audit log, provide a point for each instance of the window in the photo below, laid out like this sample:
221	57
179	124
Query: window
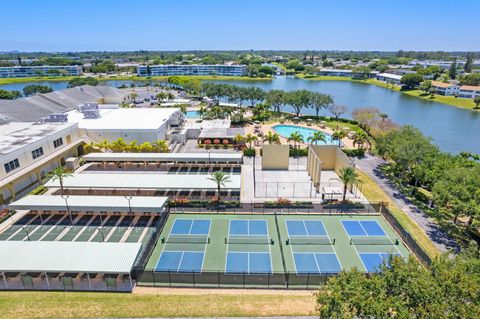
37	153
58	142
10	166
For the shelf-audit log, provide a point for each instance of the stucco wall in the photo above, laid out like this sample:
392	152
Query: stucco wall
275	157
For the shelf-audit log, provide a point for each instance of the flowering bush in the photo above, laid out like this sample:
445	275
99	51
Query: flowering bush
207	142
225	142
283	202
216	141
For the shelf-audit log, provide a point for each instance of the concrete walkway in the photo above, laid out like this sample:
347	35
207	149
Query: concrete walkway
370	165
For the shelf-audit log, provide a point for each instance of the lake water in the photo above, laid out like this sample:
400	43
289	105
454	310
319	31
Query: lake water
453	129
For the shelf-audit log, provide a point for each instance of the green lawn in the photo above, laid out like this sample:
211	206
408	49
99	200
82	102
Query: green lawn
449	100
157	303
129	78
374	193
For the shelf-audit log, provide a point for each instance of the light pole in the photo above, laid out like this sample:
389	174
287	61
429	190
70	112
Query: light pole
100	229
26	230
129	198
65	197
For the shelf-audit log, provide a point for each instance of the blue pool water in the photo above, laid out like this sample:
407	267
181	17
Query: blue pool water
192	115
287	130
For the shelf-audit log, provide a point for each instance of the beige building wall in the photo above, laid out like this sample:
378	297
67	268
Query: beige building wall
325	157
275	157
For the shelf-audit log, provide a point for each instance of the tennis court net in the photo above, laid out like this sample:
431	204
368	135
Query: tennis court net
186	239
373	241
260	240
310	240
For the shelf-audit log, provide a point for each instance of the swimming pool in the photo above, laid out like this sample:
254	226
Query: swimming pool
191	115
287	130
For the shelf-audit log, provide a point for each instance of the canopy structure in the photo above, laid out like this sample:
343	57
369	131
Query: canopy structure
91	203
164	157
144	181
71	257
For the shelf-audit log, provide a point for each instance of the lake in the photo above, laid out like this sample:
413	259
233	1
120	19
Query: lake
453	129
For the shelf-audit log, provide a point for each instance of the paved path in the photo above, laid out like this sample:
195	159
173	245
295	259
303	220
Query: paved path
440	239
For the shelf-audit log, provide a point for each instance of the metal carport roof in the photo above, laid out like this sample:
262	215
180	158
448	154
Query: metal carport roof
64	256
90	203
155	181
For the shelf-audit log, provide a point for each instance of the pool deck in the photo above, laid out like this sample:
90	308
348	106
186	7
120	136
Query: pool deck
265	128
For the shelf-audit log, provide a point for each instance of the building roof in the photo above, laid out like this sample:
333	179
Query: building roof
221	132
137	119
442	84
163	157
390	76
15	135
470	88
65	256
90	203
157	181
33	108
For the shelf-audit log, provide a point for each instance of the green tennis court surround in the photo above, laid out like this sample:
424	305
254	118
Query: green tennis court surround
288	250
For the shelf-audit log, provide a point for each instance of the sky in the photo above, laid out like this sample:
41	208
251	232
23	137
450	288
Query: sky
121	25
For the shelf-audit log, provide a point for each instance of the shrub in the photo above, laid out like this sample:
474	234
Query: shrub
297	152
249	152
355	152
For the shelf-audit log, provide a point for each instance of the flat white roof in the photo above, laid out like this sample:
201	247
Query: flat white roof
65	256
164	157
391	76
90	203
144	181
137	119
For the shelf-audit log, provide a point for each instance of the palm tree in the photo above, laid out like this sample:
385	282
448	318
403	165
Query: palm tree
296	137
249	138
161	96
338	135
360	138
239	139
132	147
170	96
271	138
59	173
220	178
118	145
183	108
317	137
133	96
104	145
349	177
161	146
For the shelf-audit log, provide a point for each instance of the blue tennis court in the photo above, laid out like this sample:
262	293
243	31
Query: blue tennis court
373	261
252	227
316	263
363	228
180	261
305	228
191	227
248	262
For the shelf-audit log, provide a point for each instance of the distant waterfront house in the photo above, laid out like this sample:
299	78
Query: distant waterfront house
45	70
335	72
391	78
192	69
469	92
447	89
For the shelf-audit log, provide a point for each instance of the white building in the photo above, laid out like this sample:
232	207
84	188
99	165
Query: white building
28	151
390	78
192	69
43	70
469	91
448	89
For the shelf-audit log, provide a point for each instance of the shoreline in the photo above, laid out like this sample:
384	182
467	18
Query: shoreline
461	103
6	81
466	104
